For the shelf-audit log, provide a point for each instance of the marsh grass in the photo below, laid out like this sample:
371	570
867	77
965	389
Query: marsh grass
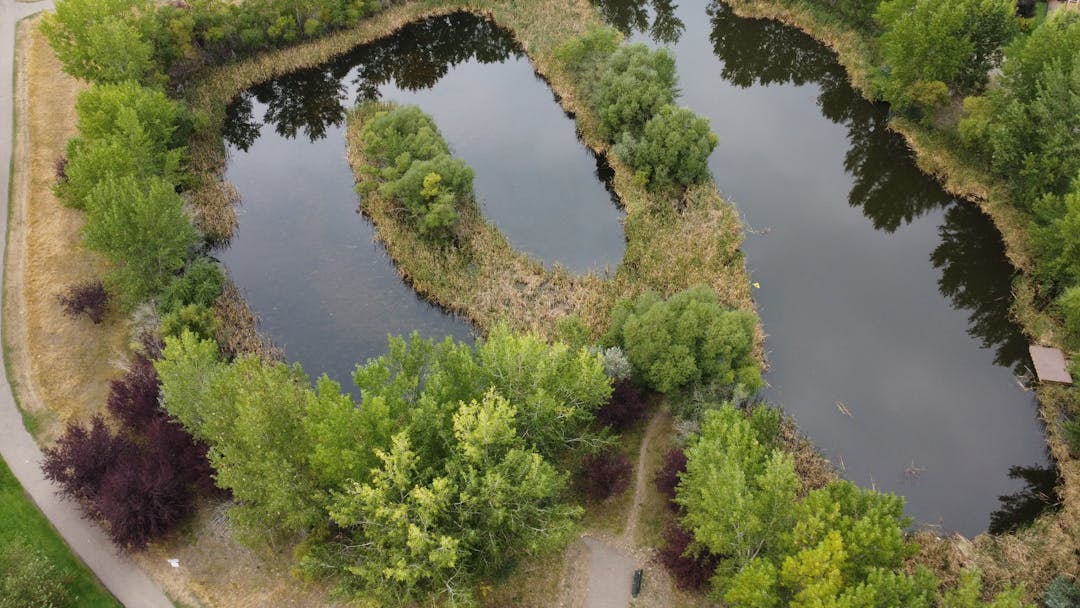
486	279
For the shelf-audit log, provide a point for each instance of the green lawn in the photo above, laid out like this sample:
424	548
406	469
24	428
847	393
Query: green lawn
21	520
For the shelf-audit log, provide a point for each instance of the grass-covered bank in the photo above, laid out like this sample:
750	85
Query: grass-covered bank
1035	555
36	567
667	249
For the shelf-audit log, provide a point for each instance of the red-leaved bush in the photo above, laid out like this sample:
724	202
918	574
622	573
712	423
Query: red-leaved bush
143	480
133	398
89	297
81	458
667	478
604	474
626	407
690	572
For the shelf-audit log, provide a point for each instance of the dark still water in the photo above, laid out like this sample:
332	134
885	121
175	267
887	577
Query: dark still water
304	255
878	290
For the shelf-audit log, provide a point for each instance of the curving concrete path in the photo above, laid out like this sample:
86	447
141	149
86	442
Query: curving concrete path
116	571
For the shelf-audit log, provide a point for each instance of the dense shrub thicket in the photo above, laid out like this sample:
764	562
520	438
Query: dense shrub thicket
741	514
633	91
411	162
447	469
687	339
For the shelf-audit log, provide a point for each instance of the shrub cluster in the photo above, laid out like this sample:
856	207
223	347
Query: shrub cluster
633	91
150	42
412	164
744	527
188	302
447	469
626	407
1062	593
684	340
141	480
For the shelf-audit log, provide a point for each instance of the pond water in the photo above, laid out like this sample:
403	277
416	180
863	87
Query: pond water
878	290
304	255
882	295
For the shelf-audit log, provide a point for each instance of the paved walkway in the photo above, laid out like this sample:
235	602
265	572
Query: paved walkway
117	572
611	573
611	566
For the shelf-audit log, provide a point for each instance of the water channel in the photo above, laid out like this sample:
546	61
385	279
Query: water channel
305	257
882	295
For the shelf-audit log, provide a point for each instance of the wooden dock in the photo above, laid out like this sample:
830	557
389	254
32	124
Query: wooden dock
1050	365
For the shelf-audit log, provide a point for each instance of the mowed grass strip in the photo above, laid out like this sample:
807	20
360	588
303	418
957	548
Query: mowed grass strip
21	522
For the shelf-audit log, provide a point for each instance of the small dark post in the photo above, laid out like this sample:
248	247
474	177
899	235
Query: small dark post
636	588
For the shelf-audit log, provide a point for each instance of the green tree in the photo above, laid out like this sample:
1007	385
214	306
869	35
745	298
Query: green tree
927	42
431	191
142	227
673	150
188	366
843	549
251	415
555	390
167	123
127	151
422	530
1055	233
969	592
97	41
689	338
738	491
1033	142
634	84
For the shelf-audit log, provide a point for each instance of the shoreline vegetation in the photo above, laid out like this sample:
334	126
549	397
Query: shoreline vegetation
672	245
657	255
1048	547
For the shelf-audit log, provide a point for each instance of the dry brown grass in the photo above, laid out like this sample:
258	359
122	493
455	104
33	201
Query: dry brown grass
216	571
61	366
